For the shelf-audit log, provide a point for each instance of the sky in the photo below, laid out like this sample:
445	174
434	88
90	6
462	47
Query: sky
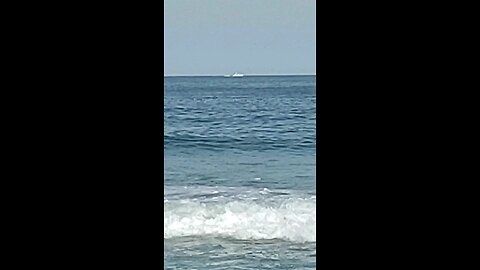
218	37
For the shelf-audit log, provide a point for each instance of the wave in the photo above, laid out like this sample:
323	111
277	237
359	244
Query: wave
291	219
241	142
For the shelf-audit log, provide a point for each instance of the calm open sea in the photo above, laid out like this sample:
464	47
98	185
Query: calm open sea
239	173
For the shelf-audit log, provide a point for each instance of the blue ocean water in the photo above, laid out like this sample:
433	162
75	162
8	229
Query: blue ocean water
240	158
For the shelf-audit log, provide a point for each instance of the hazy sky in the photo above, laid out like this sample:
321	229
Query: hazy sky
216	37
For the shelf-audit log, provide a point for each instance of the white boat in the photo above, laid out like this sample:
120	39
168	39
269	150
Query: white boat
235	75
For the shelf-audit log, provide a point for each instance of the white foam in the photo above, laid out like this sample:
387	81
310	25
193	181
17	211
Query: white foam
292	219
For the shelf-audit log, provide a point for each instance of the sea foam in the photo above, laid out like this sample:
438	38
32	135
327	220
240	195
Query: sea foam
291	219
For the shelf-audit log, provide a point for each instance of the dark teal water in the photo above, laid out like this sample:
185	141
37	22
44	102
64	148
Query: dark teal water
240	172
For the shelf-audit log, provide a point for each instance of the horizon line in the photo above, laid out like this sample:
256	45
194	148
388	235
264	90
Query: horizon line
246	75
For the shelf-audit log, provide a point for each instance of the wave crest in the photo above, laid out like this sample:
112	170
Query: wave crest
293	219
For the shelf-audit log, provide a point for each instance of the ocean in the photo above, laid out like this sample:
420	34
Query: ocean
239	172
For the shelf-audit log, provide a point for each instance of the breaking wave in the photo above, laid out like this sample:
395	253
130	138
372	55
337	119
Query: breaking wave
286	218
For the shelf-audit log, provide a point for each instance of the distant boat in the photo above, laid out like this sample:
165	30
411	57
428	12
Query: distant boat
235	75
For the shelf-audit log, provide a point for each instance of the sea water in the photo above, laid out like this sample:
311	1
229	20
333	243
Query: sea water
239	178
